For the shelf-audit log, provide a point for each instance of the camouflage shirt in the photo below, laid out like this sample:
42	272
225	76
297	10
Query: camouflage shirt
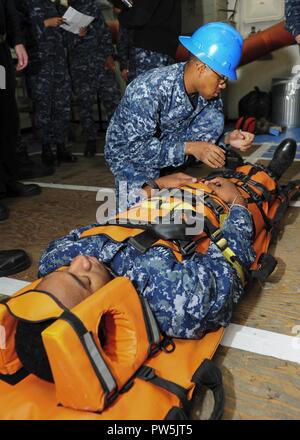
292	14
153	121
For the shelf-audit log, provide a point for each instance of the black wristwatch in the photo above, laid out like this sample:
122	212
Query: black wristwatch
151	183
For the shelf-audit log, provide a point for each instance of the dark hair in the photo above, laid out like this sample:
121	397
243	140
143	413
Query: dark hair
30	348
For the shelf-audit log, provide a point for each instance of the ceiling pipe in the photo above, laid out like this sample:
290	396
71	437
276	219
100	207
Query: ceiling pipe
266	41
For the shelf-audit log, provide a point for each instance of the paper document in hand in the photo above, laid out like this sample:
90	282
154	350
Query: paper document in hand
75	20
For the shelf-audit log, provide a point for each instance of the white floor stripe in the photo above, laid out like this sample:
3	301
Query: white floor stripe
70	187
8	286
269	158
249	339
256	155
295	204
263	342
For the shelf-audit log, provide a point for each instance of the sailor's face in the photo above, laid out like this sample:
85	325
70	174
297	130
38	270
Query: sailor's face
209	83
82	278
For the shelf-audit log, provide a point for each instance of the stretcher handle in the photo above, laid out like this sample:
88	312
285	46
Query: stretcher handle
210	376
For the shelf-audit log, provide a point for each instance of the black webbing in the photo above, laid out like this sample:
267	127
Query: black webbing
152	329
14	379
148	374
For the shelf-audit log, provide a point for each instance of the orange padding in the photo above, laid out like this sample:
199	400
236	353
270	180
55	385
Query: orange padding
125	350
77	384
34	399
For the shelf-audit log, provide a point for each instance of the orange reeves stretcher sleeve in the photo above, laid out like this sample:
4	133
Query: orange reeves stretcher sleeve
137	373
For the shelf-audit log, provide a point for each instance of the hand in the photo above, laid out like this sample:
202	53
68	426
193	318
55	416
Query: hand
210	154
54	22
22	57
124	74
242	140
83	31
175	180
110	63
297	38
226	190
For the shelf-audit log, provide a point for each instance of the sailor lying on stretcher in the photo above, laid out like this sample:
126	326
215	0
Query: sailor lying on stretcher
187	297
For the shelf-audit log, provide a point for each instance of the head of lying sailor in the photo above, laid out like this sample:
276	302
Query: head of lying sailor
82	278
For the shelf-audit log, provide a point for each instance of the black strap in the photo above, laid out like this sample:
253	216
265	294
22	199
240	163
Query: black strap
267	266
212	204
246	179
209	375
99	365
148	374
291	190
152	329
176	413
14	379
143	241
257	199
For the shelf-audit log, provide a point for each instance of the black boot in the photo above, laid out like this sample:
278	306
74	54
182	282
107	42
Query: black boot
4	213
48	158
23	159
64	155
12	262
34	171
90	149
283	158
18	189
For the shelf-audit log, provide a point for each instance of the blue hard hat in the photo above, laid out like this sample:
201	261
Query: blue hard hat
218	45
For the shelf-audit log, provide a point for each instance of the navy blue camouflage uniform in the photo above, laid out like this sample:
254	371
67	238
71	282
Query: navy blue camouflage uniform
292	14
47	73
187	298
87	58
153	121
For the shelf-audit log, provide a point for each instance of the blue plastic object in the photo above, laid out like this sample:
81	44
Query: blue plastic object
218	45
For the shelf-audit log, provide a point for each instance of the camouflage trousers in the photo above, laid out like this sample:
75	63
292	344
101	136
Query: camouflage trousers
142	60
90	78
50	92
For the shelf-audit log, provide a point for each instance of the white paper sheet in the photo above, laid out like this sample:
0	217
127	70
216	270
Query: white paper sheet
76	20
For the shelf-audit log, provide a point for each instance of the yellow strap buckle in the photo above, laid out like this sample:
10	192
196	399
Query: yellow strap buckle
228	253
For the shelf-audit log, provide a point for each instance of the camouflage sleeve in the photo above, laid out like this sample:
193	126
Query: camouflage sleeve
62	250
103	34
292	14
238	231
138	140
37	17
